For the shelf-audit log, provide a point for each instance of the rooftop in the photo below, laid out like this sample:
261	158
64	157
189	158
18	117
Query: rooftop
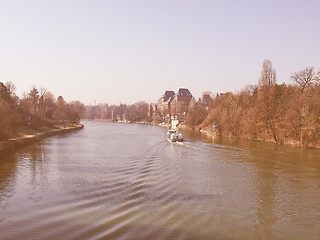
184	92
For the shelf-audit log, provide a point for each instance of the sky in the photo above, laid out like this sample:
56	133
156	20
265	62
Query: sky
125	51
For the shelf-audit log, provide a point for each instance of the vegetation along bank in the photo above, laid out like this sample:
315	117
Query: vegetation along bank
266	112
34	116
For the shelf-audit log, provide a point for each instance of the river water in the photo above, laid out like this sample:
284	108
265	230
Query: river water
124	181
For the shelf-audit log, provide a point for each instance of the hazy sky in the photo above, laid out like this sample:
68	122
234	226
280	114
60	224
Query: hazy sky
127	51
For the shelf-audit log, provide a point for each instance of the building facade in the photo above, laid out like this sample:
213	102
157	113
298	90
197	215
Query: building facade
174	104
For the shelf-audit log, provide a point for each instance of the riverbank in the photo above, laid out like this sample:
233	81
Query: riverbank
15	143
303	143
208	131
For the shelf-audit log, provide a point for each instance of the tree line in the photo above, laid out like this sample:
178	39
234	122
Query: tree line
35	108
137	112
269	112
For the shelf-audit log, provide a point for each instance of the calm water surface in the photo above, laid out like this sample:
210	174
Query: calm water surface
124	181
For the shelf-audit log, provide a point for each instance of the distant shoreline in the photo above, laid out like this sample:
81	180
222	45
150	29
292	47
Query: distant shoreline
137	122
13	144
97	120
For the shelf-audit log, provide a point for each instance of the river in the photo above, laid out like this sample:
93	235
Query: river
124	181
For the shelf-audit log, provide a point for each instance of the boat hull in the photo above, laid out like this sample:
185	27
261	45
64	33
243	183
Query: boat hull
174	140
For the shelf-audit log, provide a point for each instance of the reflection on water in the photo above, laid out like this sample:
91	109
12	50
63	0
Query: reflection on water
124	181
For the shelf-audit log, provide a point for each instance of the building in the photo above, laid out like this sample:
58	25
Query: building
182	100
206	99
164	103
176	104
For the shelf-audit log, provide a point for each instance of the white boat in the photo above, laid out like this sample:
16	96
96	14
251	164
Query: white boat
173	135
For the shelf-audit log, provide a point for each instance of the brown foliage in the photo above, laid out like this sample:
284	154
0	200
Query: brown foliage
196	115
270	112
132	113
35	108
278	113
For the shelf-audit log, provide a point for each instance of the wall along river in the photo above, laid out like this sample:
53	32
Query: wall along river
124	181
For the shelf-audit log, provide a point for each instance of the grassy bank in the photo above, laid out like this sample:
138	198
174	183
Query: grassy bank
27	134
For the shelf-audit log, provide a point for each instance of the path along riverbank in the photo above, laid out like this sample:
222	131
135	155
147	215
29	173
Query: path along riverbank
13	144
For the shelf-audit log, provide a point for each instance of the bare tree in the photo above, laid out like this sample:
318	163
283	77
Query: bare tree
60	114
317	78
43	93
5	93
76	110
304	78
196	115
268	74
11	88
34	95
